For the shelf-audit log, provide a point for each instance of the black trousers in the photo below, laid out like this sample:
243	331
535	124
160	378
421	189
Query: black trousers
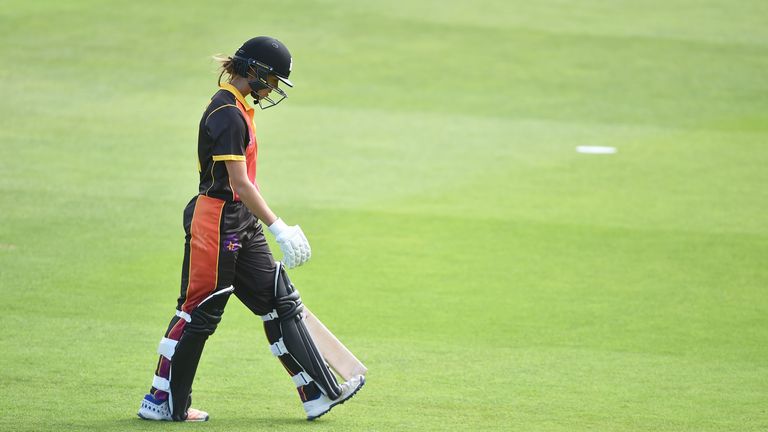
225	246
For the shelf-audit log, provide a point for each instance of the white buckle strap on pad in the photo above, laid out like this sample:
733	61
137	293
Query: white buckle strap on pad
270	316
301	379
183	315
167	347
278	348
161	383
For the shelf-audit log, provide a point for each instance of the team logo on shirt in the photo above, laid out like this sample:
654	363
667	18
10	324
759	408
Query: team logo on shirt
231	243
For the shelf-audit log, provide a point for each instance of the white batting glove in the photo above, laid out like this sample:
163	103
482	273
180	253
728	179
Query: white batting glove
292	242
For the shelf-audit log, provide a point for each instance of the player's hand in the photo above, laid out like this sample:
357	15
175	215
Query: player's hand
292	242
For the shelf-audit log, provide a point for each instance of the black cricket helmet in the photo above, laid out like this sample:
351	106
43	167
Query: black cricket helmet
257	59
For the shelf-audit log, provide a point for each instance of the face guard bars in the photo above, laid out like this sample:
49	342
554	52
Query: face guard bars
249	67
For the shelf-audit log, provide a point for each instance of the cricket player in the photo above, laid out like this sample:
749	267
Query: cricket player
226	252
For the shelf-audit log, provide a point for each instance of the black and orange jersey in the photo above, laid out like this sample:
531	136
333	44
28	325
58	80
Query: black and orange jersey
226	133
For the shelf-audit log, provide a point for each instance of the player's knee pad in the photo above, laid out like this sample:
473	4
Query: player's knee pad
296	340
207	315
202	321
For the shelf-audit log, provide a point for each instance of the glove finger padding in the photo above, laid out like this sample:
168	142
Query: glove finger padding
290	254
307	250
294	245
302	247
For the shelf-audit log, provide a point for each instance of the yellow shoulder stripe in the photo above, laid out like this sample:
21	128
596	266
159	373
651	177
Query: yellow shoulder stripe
223	106
229	157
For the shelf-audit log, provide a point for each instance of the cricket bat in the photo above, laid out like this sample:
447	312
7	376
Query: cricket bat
335	353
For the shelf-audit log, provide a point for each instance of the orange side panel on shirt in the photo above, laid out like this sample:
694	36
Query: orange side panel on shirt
204	251
251	152
250	160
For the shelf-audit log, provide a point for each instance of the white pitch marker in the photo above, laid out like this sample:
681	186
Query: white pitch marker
596	149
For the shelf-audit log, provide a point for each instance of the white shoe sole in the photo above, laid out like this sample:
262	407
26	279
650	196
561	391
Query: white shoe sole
338	402
167	419
146	414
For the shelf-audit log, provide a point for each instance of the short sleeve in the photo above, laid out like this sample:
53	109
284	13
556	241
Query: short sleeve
227	130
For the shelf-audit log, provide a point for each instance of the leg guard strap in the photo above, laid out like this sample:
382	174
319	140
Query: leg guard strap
278	348
301	379
167	347
183	315
161	383
270	316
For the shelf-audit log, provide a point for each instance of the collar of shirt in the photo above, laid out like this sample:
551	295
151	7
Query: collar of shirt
230	88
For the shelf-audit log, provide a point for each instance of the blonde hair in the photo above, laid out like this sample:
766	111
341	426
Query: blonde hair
226	66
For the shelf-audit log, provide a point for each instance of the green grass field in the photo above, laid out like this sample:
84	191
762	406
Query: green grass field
491	277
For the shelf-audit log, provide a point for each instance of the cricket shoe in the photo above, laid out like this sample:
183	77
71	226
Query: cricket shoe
323	404
153	409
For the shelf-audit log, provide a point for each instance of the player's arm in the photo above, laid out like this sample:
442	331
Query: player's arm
249	195
291	239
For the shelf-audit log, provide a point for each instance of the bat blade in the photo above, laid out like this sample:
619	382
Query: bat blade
335	353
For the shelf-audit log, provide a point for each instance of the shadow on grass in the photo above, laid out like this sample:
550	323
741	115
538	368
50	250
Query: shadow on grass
229	424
